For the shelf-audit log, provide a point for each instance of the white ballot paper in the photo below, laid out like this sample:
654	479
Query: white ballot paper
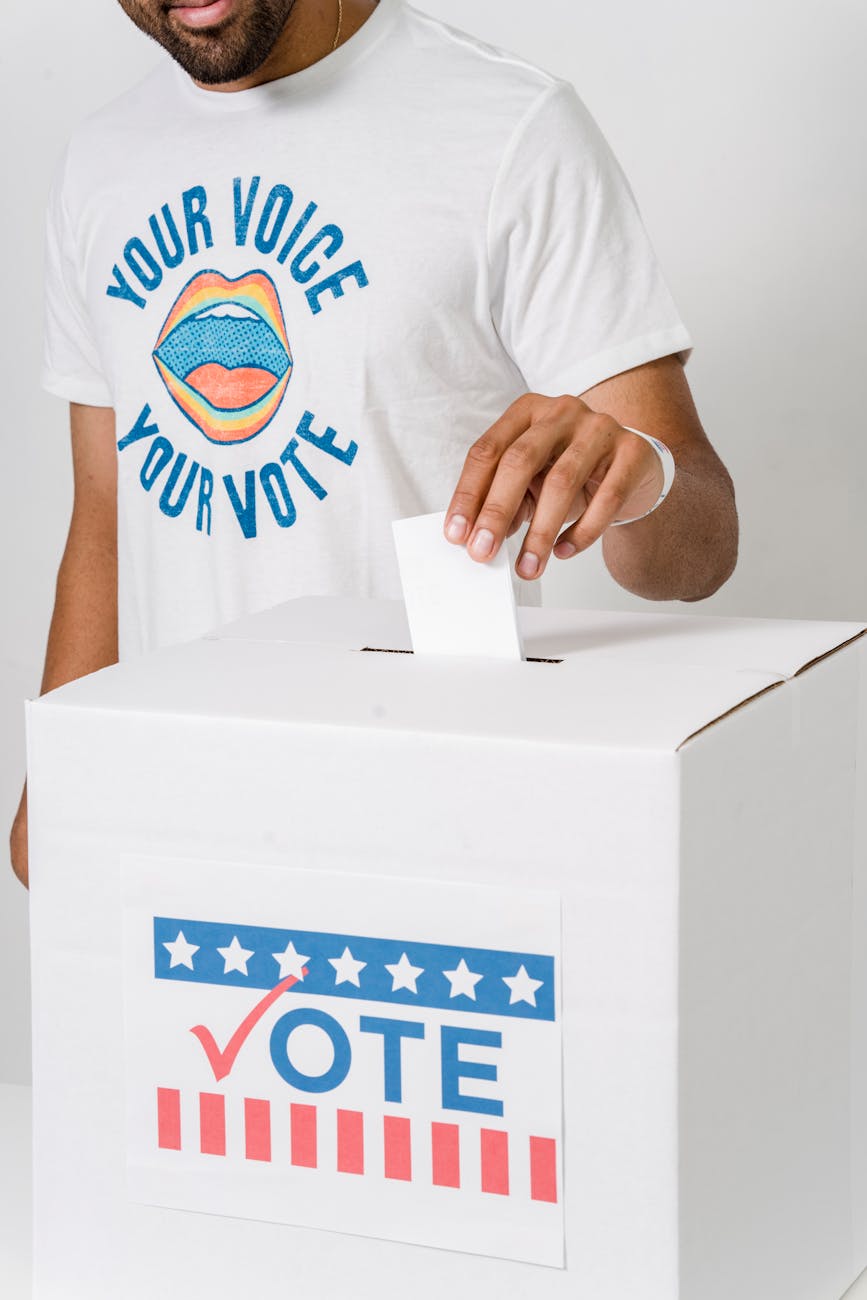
455	605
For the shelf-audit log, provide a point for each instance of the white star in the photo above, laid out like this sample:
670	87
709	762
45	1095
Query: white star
235	957
462	980
522	987
346	968
181	951
404	974
291	962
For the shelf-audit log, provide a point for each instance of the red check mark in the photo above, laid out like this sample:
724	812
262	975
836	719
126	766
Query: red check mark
221	1062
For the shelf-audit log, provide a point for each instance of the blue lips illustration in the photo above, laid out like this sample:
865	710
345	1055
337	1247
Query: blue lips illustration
223	354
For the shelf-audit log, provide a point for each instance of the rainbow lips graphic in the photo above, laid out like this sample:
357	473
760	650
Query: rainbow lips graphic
223	354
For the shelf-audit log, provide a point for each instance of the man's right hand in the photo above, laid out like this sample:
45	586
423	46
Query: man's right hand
18	842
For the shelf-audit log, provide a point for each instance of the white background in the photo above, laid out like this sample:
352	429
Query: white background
743	131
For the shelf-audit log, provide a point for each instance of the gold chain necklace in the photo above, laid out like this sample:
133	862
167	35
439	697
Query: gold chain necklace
339	22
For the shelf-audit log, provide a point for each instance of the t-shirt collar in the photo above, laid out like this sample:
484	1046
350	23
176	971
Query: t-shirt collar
273	92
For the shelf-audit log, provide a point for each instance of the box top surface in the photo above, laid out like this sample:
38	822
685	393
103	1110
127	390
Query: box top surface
622	680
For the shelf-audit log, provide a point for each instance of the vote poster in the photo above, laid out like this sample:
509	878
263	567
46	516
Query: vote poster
368	1054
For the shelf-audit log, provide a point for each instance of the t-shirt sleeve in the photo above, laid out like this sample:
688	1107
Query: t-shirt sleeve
71	365
577	292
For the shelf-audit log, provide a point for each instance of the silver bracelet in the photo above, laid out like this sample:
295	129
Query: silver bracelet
667	460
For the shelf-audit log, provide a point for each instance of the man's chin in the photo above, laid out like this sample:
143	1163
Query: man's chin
211	67
221	76
215	44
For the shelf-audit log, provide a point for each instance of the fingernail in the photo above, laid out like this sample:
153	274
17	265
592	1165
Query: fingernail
483	543
456	528
563	550
528	565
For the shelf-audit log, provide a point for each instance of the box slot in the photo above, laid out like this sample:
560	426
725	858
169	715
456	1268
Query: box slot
385	650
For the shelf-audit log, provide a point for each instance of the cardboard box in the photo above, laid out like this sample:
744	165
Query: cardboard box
363	973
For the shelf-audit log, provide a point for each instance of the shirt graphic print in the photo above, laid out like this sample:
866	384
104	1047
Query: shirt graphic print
224	355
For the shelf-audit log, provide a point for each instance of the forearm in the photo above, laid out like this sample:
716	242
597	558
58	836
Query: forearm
81	639
687	548
83	632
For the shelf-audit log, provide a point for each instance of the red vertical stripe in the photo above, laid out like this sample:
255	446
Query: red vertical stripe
495	1161
257	1128
212	1124
303	1120
543	1169
350	1141
398	1157
445	1150
169	1118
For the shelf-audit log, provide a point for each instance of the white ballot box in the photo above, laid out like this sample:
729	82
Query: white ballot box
363	973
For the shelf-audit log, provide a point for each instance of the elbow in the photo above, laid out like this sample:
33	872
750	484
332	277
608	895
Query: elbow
725	563
687	555
691	571
720	552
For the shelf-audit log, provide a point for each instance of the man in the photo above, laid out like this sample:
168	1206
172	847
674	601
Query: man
322	257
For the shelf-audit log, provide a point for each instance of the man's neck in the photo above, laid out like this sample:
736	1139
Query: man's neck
307	37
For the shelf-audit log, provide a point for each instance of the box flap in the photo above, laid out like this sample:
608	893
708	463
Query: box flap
609	680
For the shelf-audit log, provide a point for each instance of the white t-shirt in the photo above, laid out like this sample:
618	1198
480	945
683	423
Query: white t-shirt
306	300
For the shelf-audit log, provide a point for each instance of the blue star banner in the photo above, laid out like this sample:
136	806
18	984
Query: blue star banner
402	972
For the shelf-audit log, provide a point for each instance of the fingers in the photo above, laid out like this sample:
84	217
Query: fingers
607	504
564	495
634	478
551	461
481	465
519	464
525	509
627	475
502	466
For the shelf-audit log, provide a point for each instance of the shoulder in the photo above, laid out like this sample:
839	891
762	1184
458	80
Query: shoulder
472	67
98	142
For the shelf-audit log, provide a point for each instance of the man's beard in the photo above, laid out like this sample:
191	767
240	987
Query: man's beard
229	52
